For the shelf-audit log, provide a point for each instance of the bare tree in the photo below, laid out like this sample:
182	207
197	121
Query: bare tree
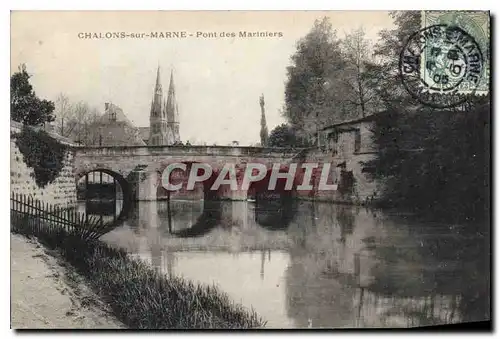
355	48
63	111
76	120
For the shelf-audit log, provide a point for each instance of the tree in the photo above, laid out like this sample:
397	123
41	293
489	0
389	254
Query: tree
316	66
384	73
63	114
285	136
87	131
357	79
76	121
25	106
432	161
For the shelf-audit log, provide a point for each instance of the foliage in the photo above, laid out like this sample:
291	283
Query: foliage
141	297
436	161
42	153
25	106
315	70
384	71
361	98
285	136
432	161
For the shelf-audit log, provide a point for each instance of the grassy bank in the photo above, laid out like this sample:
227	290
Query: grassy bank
139	296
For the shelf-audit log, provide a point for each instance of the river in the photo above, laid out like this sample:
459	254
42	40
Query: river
328	265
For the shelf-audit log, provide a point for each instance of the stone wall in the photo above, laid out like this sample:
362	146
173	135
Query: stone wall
343	153
364	188
61	192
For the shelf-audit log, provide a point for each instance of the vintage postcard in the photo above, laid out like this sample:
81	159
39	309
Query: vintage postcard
250	169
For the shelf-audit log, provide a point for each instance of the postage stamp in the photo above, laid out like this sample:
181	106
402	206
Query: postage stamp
447	60
471	29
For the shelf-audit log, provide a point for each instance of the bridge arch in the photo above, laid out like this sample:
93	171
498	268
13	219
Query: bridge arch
206	184
211	214
126	188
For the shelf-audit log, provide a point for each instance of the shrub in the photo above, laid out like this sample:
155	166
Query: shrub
42	153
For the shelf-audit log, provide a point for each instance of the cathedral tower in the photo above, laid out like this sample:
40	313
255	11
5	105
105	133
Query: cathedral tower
164	116
172	113
157	118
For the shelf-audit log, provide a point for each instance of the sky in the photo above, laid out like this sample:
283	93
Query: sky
218	79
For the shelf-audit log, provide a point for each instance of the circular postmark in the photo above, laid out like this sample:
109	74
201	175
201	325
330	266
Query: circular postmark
441	65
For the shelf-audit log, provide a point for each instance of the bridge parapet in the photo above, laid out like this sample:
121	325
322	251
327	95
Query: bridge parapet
223	151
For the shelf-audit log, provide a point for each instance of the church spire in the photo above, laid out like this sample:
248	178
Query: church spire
263	125
156	120
172	110
158	81
157	96
171	88
171	101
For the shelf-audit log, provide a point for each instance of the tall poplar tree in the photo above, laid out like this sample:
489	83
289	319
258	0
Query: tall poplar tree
313	92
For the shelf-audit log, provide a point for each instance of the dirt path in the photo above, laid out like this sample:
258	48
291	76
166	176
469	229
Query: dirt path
45	293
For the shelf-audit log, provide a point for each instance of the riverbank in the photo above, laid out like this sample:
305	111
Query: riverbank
46	294
138	295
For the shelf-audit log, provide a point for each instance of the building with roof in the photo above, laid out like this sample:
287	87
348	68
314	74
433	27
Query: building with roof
348	147
348	138
113	128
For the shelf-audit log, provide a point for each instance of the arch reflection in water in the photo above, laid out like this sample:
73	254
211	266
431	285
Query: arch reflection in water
333	266
105	194
209	218
275	212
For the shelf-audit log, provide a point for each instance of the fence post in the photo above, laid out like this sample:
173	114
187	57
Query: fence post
16	208
48	211
39	212
76	221
23	206
54	215
28	213
45	208
36	213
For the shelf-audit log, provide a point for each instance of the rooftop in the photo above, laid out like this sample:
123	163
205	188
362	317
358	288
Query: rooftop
143	133
350	122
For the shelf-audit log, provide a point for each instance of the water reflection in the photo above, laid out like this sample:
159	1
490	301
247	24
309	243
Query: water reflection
329	266
275	213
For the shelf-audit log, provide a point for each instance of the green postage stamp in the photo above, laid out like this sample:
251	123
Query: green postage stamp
457	58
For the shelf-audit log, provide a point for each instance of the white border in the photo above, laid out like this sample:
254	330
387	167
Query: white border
181	5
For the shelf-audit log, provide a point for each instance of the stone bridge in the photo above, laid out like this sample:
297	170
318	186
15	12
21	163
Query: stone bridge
138	168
